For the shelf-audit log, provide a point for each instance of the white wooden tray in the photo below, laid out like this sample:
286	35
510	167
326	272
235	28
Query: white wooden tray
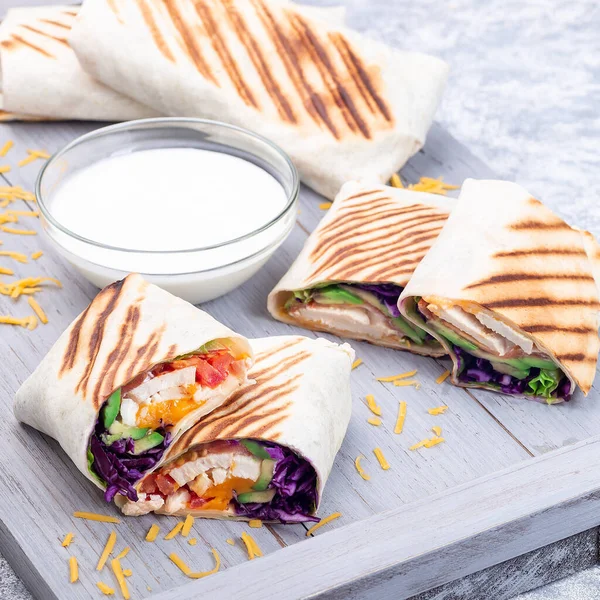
512	476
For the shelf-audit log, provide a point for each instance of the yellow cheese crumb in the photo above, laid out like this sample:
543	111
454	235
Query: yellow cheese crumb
325	205
123	553
438	410
230	541
37	309
401	417
395	181
360	470
443	377
381	458
7	146
437	430
322	522
73	570
17	231
187	571
396	377
192	541
373	407
105	589
4	169
95	517
68	539
374	421
251	546
255	523
4	271
152	533
118	571
187	526
433	186
108	548
37	255
18	256
357	363
127	572
175	531
407	382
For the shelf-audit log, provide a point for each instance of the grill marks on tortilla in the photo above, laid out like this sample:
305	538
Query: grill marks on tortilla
276	61
352	243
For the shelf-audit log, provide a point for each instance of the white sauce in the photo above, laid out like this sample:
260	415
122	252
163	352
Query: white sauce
168	199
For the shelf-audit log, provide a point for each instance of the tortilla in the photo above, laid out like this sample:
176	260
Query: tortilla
298	402
342	106
130	327
373	238
40	77
519	281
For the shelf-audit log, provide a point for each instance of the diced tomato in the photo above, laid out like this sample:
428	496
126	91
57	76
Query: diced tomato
166	484
208	376
212	368
148	485
221	362
196	501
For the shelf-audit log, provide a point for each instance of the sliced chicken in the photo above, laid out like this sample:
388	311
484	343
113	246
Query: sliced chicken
145	504
179	377
504	330
177	501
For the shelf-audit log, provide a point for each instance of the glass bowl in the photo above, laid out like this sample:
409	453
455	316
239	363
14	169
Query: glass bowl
196	274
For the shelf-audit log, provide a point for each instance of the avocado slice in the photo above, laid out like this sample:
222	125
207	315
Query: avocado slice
267	468
334	294
452	336
264	496
118	430
150	441
110	410
509	369
255	448
540	363
416	335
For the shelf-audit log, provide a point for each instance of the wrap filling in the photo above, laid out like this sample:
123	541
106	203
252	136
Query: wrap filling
240	478
135	423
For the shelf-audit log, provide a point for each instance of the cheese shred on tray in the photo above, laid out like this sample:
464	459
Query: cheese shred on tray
359	468
322	522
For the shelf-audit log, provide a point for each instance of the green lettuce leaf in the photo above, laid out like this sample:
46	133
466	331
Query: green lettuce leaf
545	383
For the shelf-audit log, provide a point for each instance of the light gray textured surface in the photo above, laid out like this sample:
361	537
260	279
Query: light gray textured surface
522	95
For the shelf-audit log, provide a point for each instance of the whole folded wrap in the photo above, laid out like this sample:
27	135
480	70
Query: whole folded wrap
511	291
102	390
342	106
265	453
41	78
349	275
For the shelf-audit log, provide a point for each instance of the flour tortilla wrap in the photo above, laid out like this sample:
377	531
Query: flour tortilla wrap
370	241
511	290
40	75
295	409
129	329
341	105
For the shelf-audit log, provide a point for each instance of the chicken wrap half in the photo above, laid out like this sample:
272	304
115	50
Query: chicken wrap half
135	370
349	276
267	451
511	291
41	78
341	105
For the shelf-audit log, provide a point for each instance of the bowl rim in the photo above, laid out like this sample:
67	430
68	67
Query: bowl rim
107	130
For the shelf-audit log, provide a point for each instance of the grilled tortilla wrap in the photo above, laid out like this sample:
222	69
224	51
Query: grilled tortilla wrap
342	106
267	451
40	75
135	370
511	291
353	267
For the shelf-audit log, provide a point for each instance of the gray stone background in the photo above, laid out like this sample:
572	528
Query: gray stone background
523	95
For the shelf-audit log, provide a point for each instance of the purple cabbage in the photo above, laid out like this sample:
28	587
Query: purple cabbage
295	481
479	370
118	467
386	293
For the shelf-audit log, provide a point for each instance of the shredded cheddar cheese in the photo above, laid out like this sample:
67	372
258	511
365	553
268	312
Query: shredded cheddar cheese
39	153
373	407
437	430
433	186
18	256
381	458
33	155
37	309
428	443
108	548
325	205
73	570
443	377
152	533
37	255
7	146
23	213
25	286
4	169
127	572
395	181
118	571
251	546
4	271
192	541
185	569
230	541
95	517
187	526
255	523
396	377
401	417
28	322
105	589
376	421
438	410
123	553
322	522
356	363
17	231
175	531
407	382
68	539
360	470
